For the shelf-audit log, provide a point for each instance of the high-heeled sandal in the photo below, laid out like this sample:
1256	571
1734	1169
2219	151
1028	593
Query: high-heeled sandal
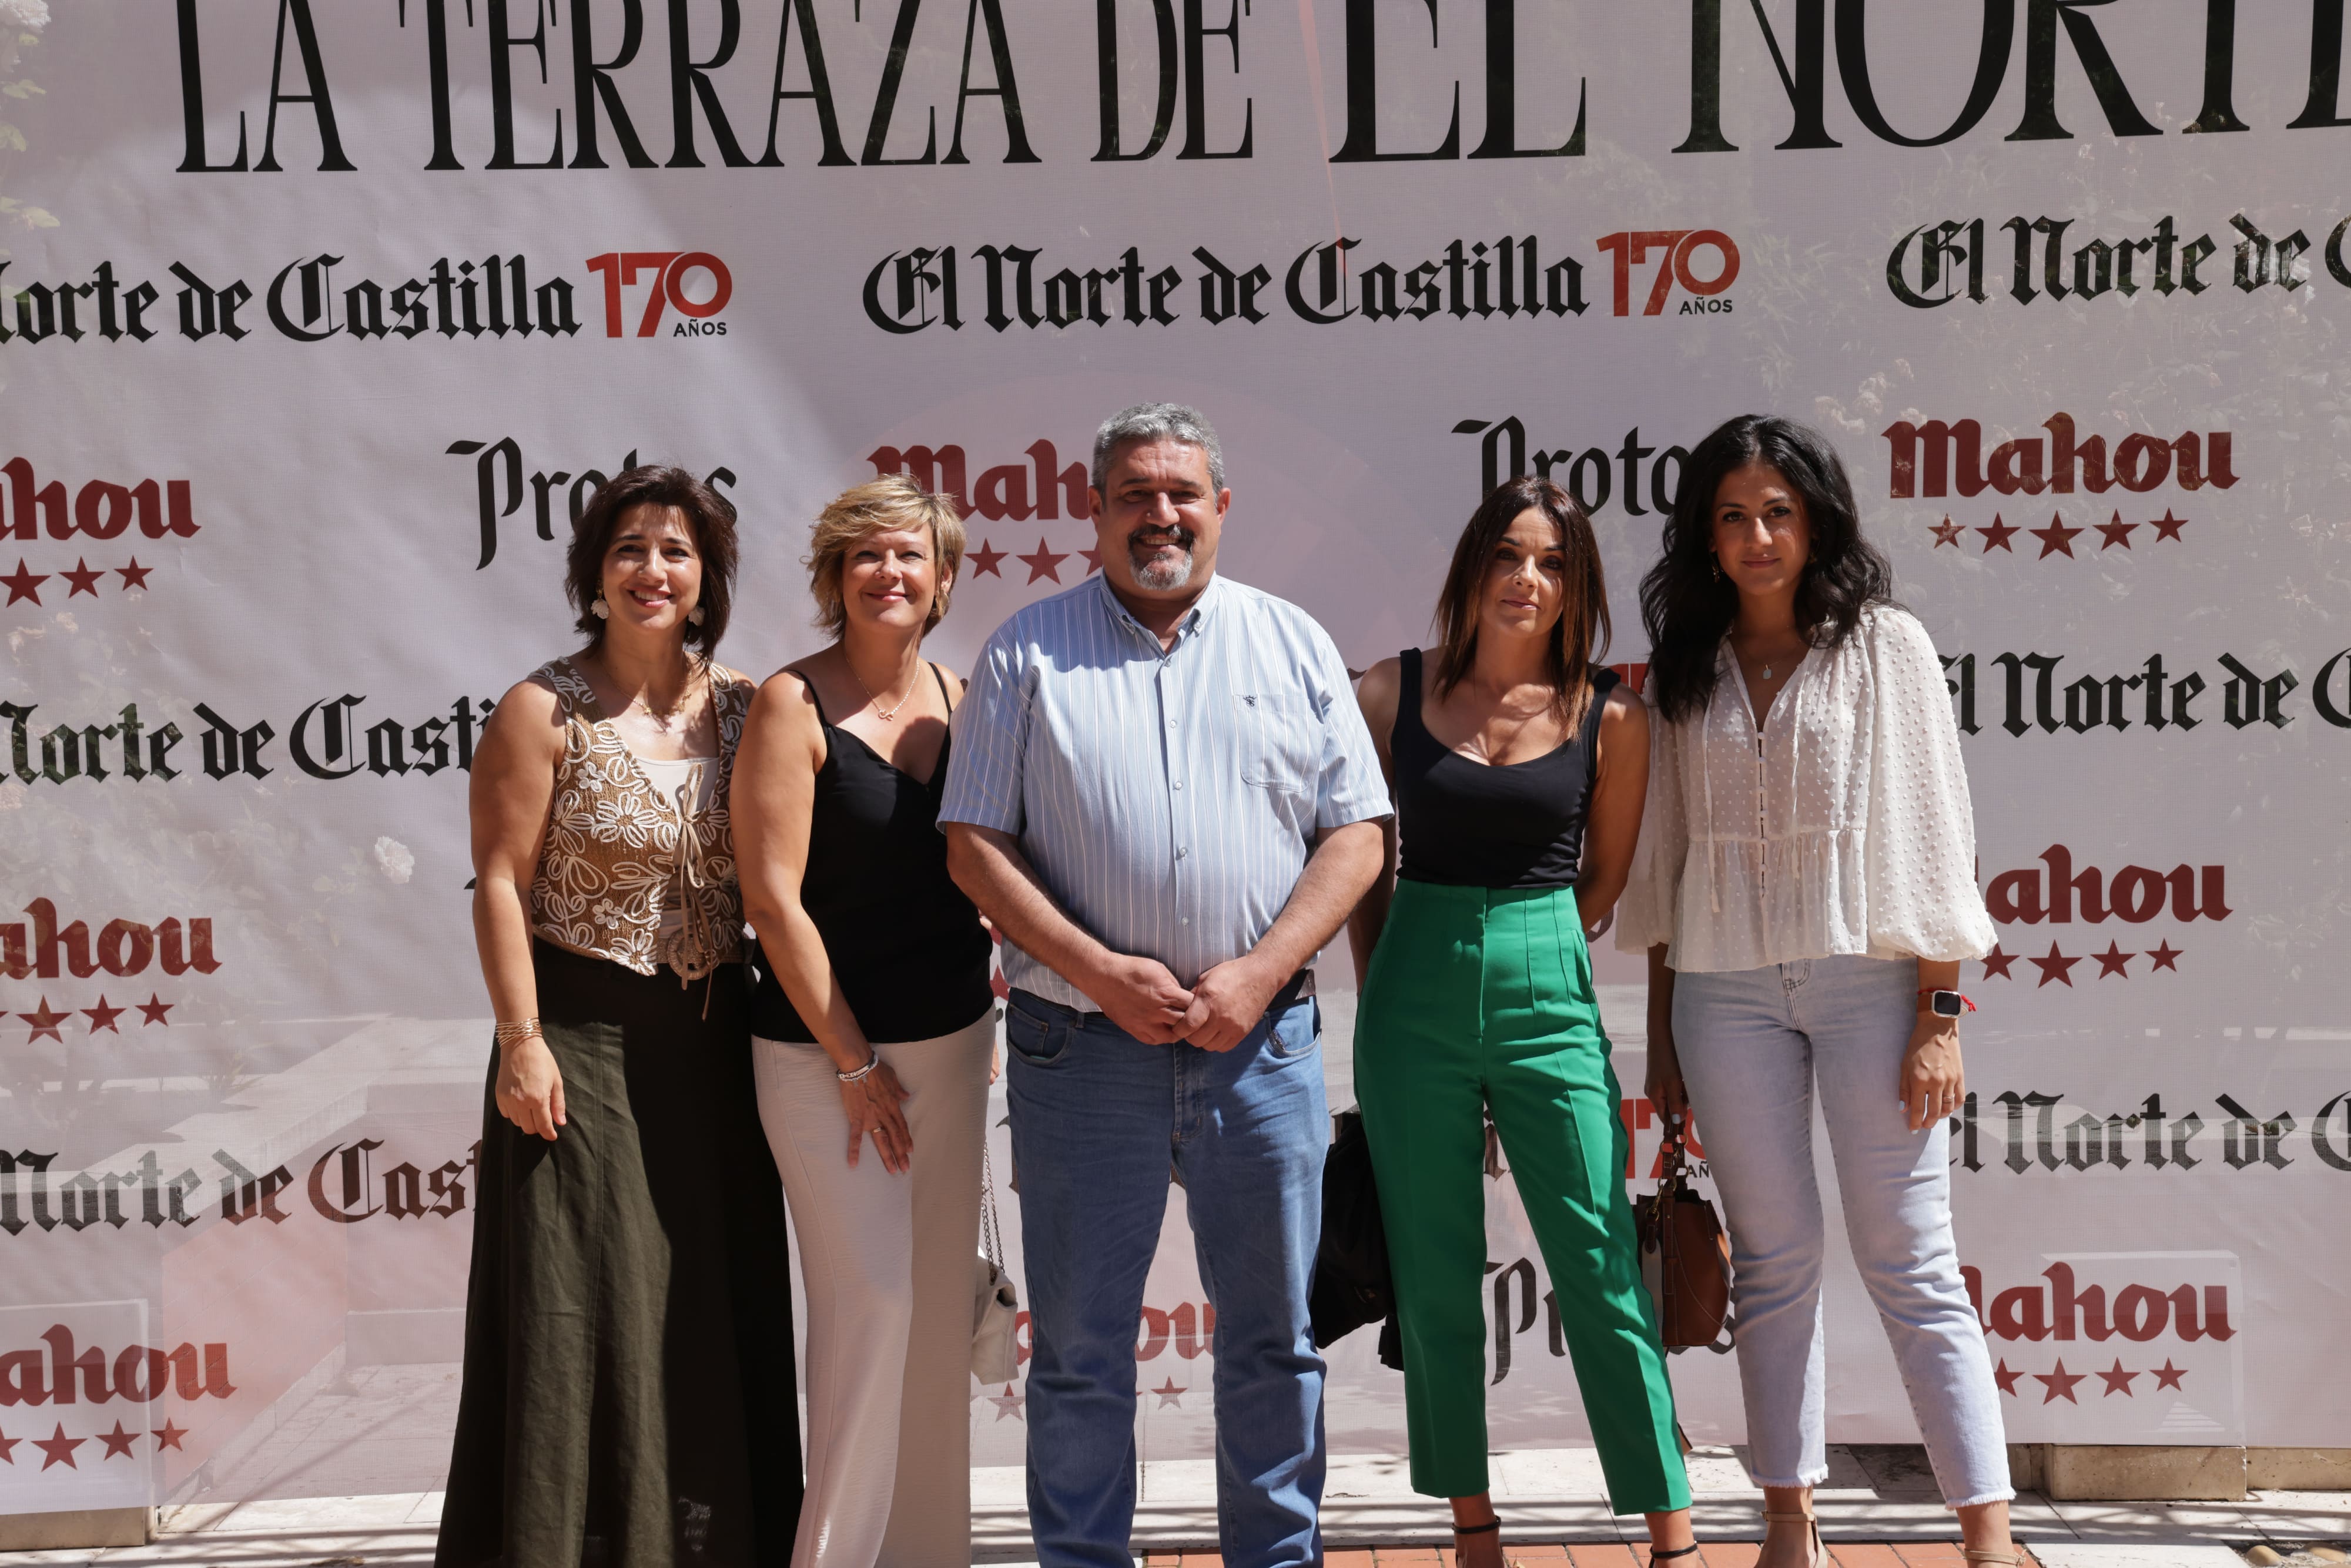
1490	1527
1983	1555
1819	1555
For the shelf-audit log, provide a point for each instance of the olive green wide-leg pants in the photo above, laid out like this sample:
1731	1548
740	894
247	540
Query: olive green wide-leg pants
1483	998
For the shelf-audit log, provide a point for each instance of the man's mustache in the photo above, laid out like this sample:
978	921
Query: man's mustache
1182	537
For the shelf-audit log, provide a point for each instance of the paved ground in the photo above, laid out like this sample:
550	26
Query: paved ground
1878	1511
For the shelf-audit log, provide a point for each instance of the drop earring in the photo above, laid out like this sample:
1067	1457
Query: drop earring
1717	569
603	612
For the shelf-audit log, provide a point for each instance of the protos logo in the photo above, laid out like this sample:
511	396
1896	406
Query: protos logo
665	275
1674	248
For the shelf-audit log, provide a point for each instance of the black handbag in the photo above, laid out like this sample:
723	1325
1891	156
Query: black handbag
1352	1286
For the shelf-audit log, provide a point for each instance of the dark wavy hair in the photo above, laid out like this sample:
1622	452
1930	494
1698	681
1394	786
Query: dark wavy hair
1582	628
709	517
1687	605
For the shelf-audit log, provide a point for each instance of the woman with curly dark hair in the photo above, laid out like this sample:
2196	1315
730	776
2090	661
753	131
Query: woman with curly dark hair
628	1398
1805	891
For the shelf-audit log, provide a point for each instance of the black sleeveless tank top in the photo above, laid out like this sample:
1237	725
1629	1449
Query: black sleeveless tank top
904	943
1470	824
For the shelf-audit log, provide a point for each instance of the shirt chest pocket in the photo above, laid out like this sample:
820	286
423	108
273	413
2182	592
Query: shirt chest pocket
1280	741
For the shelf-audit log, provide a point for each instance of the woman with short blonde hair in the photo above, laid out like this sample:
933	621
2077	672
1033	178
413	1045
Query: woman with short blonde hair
873	1022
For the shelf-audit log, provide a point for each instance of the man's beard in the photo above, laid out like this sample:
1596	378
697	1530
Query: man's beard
1155	572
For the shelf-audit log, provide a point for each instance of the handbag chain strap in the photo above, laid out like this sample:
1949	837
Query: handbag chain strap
991	1234
1673	1175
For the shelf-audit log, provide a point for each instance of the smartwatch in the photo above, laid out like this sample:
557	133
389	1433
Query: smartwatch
1947	1004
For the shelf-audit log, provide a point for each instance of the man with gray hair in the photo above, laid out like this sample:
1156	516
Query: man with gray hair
1163	795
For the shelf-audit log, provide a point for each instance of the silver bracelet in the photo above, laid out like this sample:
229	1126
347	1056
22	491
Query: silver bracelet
871	1062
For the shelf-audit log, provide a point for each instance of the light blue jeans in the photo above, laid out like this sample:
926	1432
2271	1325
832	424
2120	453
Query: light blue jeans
1753	1045
1098	1118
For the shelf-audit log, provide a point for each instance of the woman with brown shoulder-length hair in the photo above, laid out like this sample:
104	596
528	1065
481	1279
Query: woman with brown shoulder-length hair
629	1398
1518	767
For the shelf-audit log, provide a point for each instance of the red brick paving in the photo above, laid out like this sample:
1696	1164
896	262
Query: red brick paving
1730	1553
1862	1554
1612	1555
1715	1554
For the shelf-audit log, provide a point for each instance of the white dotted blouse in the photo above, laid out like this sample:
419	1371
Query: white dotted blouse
1844	826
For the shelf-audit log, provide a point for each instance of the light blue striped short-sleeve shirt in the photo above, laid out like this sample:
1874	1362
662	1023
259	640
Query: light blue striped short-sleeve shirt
1167	799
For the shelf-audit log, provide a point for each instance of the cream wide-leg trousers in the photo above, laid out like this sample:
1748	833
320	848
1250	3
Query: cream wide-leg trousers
888	1262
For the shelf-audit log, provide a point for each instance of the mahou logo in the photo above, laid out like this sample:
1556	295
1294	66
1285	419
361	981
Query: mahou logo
694	283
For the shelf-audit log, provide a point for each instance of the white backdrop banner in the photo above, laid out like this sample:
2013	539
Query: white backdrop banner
319	322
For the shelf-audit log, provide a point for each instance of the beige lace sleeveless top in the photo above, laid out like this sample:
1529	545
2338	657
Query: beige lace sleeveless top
620	854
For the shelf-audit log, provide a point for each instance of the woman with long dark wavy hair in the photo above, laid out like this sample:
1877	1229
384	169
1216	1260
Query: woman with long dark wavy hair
1518	767
1805	892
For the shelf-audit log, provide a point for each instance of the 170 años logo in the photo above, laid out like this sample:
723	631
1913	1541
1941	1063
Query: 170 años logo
669	273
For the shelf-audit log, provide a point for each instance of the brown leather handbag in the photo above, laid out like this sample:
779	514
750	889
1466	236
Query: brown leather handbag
1684	1255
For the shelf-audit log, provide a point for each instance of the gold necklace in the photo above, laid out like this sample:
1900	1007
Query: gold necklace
664	717
890	714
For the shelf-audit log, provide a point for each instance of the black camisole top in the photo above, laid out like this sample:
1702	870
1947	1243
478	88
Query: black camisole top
904	943
1470	824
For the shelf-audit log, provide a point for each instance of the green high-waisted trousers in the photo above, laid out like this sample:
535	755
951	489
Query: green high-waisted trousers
1478	998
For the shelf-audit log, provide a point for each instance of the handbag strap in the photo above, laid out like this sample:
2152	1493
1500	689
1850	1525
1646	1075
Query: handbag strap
991	1234
1673	1174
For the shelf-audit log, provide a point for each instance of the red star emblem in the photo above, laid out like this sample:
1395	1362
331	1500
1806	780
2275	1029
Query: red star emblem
23	584
1170	1394
84	578
1044	563
2117	532
59	1449
2169	1376
155	1007
44	1022
1996	963
118	1442
986	561
2056	966
1997	534
1007	1404
8	1449
134	575
102	1017
168	1437
2055	538
2166	957
1946	532
2113	961
1093	559
2119	1382
2167	526
2005	1377
2060	1383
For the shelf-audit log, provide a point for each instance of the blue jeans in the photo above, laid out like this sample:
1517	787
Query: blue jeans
1755	1046
1098	1117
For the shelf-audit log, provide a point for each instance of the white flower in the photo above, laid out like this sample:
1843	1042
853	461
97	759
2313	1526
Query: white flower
30	14
392	857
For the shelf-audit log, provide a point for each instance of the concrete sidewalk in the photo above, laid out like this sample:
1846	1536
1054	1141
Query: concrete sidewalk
1879	1510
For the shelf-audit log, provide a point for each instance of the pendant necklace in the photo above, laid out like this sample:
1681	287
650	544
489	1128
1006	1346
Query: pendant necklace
890	714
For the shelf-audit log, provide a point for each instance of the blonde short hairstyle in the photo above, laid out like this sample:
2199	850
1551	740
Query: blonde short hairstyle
892	501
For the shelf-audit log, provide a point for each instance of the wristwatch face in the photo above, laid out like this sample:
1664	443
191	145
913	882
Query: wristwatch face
1947	1004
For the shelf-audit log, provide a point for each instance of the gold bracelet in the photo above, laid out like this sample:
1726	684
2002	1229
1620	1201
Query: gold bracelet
509	1033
